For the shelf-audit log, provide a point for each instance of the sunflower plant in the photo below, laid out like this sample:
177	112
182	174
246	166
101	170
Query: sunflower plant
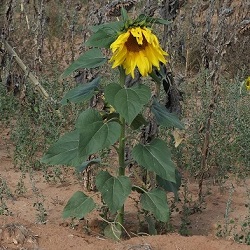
134	46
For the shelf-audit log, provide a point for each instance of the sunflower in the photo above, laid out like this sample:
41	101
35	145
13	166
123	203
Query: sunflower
247	82
137	47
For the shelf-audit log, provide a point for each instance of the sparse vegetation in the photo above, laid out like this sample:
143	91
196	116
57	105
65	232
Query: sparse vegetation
209	59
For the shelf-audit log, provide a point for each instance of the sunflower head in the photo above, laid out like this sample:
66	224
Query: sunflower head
137	47
247	83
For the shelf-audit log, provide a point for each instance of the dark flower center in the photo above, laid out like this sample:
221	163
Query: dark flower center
133	46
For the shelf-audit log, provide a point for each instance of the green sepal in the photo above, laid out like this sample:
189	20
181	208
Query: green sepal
143	20
114	26
124	15
158	21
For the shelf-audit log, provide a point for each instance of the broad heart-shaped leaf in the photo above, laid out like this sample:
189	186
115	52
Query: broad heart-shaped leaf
90	59
78	206
95	134
112	231
111	91
155	201
102	38
155	157
81	93
127	101
114	190
85	164
164	117
64	151
170	186
138	122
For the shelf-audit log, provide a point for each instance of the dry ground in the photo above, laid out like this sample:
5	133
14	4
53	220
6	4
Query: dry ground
20	230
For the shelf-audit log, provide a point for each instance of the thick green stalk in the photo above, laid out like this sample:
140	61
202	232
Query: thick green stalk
121	153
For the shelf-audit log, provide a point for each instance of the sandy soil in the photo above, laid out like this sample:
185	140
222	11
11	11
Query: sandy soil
19	228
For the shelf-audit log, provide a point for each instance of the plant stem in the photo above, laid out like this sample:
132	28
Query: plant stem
121	153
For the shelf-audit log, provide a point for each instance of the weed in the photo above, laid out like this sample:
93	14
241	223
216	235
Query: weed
42	213
185	222
34	126
230	227
21	189
226	229
244	235
5	190
4	210
5	193
41	216
53	174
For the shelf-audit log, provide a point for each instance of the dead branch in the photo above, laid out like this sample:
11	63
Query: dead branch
34	81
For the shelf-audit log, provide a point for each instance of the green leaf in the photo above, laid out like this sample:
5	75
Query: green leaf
164	117
138	122
112	231
102	38
158	21
90	59
155	201
81	93
114	26
170	186
114	190
155	77
78	206
85	164
142	91
140	20
95	134
124	15
64	151
104	34
151	225
128	102
138	189
155	157
110	92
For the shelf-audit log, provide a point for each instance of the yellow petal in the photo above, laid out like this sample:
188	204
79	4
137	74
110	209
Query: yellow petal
137	47
142	63
147	34
119	57
137	33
